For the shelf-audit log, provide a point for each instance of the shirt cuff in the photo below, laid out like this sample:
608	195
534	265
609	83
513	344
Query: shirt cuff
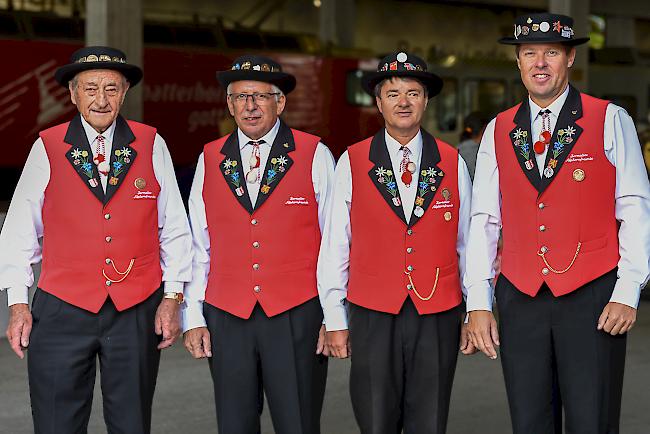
17	295
626	292
479	296
192	315
173	286
336	318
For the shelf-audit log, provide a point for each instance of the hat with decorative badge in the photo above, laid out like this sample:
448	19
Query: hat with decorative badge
543	28
98	57
401	64
257	68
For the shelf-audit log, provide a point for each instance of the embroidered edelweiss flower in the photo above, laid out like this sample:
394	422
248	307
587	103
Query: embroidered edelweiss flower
226	163
431	172
570	131
126	152
520	134
282	160
380	171
76	153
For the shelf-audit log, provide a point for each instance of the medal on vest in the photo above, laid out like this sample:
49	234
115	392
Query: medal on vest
418	211
578	175
447	216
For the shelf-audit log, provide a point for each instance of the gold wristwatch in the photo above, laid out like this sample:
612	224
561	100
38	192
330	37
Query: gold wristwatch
178	296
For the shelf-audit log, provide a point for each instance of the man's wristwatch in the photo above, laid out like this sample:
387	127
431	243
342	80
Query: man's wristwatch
178	296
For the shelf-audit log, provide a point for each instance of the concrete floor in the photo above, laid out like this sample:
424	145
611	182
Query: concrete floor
184	401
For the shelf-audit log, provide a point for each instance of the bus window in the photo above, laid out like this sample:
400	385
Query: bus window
487	96
354	93
447	106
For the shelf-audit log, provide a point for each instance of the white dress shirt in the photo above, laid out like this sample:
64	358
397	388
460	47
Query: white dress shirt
632	208
334	257
322	174
23	226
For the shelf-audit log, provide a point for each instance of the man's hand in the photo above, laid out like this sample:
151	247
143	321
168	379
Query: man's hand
197	342
19	328
167	322
483	332
466	345
617	318
338	343
321	348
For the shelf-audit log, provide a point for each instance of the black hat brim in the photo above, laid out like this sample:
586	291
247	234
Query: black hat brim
285	82
433	83
67	72
510	40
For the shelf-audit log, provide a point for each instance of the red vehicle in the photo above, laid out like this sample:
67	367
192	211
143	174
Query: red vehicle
181	98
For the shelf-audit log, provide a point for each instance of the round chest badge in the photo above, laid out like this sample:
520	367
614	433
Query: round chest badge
140	183
579	175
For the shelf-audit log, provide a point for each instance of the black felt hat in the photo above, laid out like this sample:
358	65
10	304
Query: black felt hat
98	57
257	68
543	28
401	64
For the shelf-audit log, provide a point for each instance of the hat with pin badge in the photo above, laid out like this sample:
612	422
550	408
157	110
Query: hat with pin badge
402	64
98	57
543	28
257	68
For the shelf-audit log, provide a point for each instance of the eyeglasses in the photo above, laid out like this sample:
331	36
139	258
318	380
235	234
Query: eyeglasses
259	98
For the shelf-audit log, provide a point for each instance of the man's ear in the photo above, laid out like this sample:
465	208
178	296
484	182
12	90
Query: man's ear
572	57
72	93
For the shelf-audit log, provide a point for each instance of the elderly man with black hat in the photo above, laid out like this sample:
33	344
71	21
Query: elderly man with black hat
258	202
394	251
562	174
100	192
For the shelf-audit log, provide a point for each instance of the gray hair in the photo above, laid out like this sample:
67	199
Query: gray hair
274	89
379	85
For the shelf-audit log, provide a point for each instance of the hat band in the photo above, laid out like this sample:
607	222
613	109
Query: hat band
100	58
543	29
246	66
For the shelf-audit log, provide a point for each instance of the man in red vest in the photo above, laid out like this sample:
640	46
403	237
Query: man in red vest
563	176
393	251
257	205
100	192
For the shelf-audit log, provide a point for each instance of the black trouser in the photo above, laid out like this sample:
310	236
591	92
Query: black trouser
64	345
402	369
276	353
544	336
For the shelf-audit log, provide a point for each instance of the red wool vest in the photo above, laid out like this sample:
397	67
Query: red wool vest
268	255
572	221
383	246
81	234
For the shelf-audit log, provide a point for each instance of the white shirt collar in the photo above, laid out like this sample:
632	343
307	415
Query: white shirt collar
92	134
268	138
415	145
554	107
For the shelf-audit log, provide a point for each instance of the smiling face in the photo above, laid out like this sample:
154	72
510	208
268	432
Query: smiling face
98	95
254	116
545	70
402	102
